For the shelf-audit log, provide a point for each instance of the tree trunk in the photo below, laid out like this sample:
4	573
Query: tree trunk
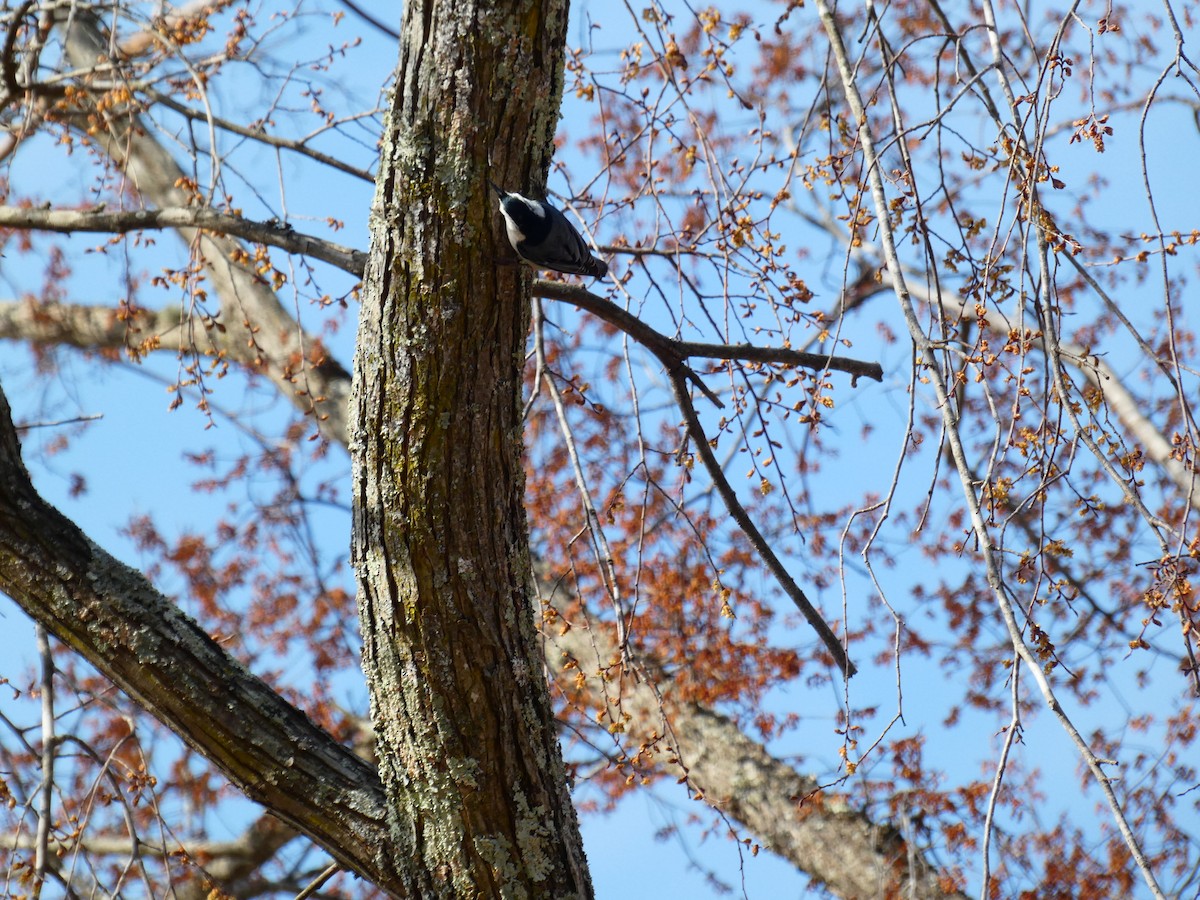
469	758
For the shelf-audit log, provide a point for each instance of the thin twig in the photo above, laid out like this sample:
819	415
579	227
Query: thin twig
315	885
1010	737
49	747
595	530
926	356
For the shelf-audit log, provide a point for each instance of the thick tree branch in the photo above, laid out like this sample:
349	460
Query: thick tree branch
115	619
768	808
787	812
104	328
775	814
771	812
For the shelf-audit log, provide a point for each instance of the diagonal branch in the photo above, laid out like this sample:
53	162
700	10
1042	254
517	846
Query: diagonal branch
268	339
672	353
820	834
85	326
742	518
115	619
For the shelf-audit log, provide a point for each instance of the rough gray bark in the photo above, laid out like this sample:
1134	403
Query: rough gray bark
468	748
114	619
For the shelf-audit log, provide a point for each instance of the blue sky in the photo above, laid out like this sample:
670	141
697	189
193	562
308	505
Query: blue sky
133	455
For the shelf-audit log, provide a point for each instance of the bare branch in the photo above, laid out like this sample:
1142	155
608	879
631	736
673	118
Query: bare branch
106	328
370	19
670	349
761	545
270	339
49	749
113	221
294	145
925	354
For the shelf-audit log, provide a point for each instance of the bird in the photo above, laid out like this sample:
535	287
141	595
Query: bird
545	238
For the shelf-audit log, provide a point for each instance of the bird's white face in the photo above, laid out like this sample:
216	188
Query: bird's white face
515	234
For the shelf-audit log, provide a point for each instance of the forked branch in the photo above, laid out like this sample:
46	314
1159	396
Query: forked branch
672	354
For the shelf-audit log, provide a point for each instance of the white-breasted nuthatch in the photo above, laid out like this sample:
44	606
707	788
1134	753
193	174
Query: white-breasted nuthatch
545	238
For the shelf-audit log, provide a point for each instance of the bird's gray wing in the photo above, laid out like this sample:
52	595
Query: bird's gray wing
573	251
